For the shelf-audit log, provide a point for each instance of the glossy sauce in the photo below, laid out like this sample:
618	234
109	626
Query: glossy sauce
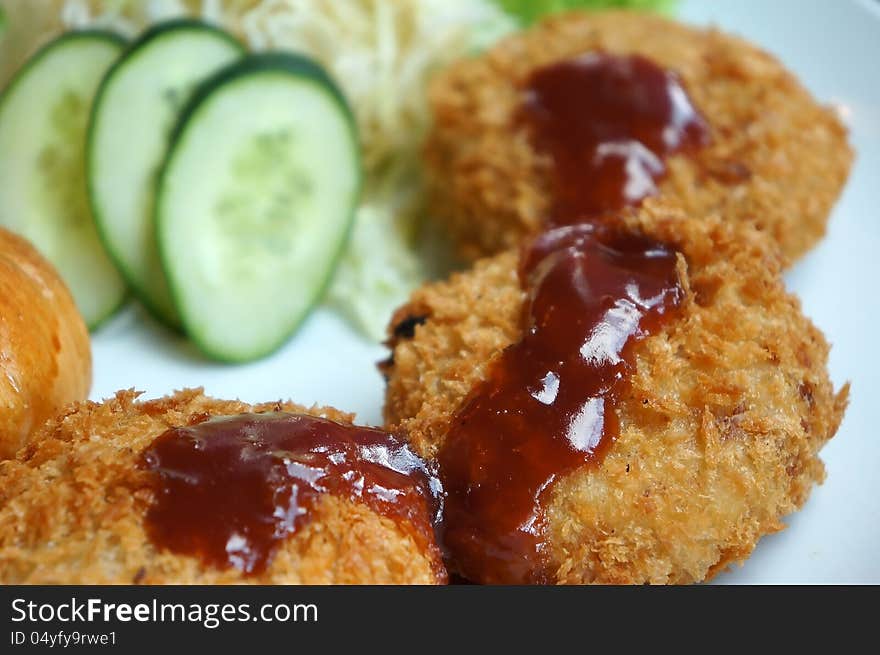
548	404
608	122
230	489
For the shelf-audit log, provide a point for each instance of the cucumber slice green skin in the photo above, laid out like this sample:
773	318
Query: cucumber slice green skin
121	190
307	71
114	290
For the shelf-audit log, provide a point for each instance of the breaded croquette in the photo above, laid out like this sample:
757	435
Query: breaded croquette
775	159
718	429
76	504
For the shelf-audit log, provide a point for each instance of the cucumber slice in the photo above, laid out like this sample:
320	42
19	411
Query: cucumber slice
255	202
134	111
43	116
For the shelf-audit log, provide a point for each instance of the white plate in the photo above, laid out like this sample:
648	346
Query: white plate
834	47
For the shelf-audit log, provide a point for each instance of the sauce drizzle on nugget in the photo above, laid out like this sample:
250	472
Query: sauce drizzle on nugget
608	123
231	488
548	405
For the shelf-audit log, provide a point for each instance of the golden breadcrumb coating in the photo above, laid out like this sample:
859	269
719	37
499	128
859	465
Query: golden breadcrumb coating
777	160
72	507
719	431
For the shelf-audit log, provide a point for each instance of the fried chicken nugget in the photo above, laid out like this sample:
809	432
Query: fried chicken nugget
73	507
777	160
727	408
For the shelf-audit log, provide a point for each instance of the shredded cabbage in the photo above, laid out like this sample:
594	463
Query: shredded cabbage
382	53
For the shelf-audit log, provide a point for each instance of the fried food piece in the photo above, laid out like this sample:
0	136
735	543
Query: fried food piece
45	355
73	505
720	427
777	160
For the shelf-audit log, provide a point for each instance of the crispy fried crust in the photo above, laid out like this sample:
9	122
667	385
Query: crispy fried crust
719	433
72	508
777	160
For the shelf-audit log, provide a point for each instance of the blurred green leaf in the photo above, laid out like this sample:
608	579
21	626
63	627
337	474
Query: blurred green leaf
528	11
